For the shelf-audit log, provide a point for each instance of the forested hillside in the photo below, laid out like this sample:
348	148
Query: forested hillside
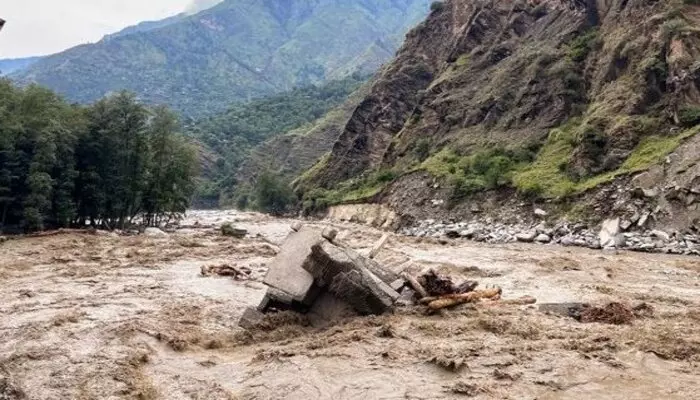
105	164
233	52
232	135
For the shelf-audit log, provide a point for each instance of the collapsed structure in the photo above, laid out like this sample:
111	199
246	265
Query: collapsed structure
319	276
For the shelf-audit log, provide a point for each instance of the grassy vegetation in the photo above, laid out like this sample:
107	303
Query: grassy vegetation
350	191
546	176
484	169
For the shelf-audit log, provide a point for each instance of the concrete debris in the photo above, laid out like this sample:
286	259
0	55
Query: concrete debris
327	281
229	230
286	273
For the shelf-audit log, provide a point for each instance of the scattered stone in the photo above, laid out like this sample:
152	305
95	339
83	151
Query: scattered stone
540	212
661	235
650	193
330	234
643	220
609	230
296	226
154	232
543	238
228	230
526	237
625	224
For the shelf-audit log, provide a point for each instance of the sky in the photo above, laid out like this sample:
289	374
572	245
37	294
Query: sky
40	27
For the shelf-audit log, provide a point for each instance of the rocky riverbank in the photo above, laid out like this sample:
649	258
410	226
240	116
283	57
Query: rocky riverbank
615	237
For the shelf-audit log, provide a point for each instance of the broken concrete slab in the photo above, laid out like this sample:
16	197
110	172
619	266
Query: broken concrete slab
353	278
286	273
366	293
328	260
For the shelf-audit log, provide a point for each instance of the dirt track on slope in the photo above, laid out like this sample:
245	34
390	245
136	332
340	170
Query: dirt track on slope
117	317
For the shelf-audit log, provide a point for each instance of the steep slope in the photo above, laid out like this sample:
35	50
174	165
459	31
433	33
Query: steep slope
292	153
551	102
237	50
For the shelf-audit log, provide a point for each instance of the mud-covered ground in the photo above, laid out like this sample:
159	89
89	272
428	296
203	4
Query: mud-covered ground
100	316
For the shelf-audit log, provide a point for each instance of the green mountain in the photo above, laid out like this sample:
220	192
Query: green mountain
228	139
235	51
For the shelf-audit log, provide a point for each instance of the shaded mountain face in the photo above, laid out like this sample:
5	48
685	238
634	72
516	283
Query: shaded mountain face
547	101
237	50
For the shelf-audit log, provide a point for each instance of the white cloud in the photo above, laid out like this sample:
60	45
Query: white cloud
199	5
38	27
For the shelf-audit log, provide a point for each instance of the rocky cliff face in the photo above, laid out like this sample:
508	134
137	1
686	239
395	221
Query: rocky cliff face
552	101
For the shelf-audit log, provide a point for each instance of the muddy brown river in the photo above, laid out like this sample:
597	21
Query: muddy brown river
103	316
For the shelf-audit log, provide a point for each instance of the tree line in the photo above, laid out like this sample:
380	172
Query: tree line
103	165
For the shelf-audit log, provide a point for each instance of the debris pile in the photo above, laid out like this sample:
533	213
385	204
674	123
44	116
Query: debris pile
316	275
238	273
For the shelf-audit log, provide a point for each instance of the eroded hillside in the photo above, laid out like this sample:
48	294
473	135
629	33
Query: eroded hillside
561	102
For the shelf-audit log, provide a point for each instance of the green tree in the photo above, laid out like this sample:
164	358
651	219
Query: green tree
272	195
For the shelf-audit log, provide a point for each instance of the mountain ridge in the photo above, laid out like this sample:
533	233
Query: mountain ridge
234	51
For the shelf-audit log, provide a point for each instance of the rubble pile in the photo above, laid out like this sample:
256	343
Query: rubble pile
316	275
614	234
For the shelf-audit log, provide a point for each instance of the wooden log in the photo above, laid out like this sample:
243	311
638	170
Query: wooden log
457	299
415	285
378	247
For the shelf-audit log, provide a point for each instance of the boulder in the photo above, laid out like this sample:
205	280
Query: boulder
526	237
543	238
296	226
540	212
330	234
154	232
608	231
229	230
661	235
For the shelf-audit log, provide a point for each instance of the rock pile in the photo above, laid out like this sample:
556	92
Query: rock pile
614	234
